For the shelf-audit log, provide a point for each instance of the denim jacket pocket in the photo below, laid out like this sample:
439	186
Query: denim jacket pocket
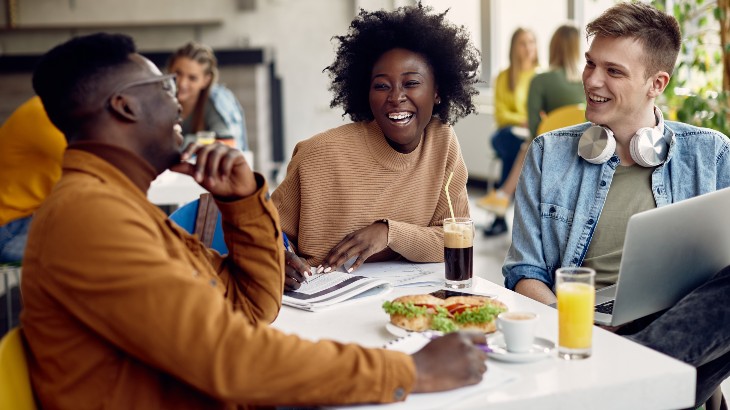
556	223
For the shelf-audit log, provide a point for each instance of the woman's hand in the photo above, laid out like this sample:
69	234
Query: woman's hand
362	243
220	169
295	270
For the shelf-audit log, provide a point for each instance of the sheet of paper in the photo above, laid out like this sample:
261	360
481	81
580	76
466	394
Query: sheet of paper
493	378
404	273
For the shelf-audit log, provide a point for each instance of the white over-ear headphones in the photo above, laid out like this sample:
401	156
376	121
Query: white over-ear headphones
648	146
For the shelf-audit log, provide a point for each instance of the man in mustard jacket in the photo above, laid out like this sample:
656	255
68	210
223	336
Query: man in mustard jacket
125	310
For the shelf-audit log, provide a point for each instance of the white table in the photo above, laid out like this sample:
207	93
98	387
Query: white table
620	374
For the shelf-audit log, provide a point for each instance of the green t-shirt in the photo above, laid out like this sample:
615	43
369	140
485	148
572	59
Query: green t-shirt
630	193
548	91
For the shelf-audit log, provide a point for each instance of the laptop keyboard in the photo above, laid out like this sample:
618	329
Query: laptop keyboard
605	307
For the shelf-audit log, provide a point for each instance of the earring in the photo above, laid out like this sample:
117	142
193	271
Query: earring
438	101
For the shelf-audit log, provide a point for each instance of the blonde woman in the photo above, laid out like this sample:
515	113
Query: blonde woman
510	106
207	105
559	86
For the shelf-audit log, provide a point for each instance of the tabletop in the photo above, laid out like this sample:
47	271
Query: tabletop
620	374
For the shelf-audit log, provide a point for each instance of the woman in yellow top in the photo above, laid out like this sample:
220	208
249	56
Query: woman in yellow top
510	108
31	149
561	85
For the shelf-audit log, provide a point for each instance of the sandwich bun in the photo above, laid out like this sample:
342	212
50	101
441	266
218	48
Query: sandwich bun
420	300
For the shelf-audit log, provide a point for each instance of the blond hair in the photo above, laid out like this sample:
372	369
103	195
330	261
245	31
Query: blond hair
515	66
565	52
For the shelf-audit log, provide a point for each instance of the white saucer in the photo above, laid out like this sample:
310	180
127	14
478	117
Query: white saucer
541	348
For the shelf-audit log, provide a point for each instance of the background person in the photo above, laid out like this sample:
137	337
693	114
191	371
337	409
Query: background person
572	208
30	153
123	309
510	109
31	149
559	86
374	189
207	105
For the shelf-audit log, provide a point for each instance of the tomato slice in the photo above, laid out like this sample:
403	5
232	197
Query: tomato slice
457	308
426	305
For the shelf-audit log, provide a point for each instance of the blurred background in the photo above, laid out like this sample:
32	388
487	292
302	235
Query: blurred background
272	53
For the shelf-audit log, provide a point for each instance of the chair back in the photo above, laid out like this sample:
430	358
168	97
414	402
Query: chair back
15	389
202	217
562	117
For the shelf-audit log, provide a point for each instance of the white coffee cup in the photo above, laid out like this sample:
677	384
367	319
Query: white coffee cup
518	330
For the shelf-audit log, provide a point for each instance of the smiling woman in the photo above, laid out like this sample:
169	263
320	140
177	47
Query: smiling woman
374	189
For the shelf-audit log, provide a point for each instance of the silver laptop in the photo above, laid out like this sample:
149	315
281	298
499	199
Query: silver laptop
668	252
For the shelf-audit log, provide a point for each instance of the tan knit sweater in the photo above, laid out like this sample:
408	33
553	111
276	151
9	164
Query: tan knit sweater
348	177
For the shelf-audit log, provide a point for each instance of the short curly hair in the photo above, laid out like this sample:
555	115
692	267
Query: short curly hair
446	47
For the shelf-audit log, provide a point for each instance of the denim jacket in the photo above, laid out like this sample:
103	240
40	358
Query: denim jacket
230	110
560	196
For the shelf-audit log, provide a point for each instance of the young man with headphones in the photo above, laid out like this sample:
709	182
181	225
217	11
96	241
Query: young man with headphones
580	185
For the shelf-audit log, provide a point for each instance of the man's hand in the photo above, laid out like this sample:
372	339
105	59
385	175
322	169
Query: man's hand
449	362
362	243
295	270
220	169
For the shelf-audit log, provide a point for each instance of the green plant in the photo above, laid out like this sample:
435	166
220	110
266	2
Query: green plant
699	92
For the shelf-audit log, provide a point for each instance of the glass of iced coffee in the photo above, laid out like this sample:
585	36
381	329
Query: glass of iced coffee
458	252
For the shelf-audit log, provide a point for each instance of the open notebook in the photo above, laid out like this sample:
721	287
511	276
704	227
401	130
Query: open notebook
325	290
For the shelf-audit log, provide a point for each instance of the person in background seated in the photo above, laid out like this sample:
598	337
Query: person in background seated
207	105
374	189
510	110
572	207
123	309
559	86
31	149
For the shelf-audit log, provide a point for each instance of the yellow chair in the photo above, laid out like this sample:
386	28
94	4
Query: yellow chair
562	117
15	389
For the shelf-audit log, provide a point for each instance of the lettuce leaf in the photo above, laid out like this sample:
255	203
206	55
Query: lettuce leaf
407	309
443	324
484	314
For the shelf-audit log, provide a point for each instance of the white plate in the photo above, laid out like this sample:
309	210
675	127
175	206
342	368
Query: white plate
541	348
400	332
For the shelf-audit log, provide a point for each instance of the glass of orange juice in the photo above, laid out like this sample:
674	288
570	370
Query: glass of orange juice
576	299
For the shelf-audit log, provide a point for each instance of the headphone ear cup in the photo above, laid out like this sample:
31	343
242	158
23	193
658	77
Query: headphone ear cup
597	145
648	147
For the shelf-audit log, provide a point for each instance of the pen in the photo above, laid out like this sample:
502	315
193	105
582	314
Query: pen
288	247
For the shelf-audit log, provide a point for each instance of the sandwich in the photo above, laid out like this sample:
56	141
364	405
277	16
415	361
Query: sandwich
474	312
413	312
427	312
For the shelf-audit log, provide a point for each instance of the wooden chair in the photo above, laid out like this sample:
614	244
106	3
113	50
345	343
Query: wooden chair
12	303
716	401
15	388
202	217
562	117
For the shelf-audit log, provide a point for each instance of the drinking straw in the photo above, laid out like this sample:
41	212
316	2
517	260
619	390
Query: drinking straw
448	197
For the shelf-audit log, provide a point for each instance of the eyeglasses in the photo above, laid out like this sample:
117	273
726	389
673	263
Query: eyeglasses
168	84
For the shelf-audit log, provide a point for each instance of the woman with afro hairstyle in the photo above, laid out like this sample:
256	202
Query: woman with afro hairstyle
373	189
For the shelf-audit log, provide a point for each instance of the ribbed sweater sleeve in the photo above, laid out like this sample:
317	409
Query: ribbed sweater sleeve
349	177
